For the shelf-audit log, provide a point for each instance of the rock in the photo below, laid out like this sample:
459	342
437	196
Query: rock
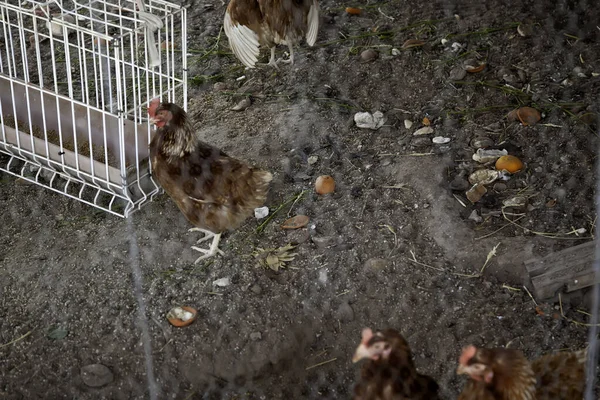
408	123
222	282
367	120
256	336
481	142
312	160
322	242
261	212
420	141
96	375
459	183
242	104
345	313
499	186
423	131
457	74
440	140
375	264
256	289
369	55
475	216
297	237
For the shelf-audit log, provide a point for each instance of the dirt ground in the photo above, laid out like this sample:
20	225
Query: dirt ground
390	248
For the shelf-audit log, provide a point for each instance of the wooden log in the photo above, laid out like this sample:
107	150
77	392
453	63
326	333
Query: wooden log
572	268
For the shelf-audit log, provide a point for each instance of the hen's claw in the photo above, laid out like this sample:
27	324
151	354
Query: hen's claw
213	249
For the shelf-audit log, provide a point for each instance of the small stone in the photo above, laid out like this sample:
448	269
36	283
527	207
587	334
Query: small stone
440	140
420	142
369	55
297	237
322	242
459	184
220	86
256	336
369	121
256	289
395	52
242	104
457	74
481	142
408	123
96	375
423	131
59	217
375	264
312	160
475	216
222	282
345	313
261	212
499	187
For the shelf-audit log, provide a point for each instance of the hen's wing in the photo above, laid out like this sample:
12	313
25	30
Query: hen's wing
216	191
313	23
242	23
560	376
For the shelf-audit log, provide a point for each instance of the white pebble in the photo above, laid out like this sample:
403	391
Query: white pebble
261	212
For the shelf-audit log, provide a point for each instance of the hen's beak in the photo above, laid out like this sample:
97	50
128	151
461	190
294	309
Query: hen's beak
462	370
360	353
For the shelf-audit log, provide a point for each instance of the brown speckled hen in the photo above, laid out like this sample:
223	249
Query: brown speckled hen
250	24
505	374
214	191
390	373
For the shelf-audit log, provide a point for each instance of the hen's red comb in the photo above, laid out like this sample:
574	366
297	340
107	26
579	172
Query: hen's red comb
153	106
367	334
467	353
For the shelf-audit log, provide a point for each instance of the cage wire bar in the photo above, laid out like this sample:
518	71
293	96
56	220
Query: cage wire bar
75	81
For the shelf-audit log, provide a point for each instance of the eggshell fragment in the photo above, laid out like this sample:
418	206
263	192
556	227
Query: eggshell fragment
182	316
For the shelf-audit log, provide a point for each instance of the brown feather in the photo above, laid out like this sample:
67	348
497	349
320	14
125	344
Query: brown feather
214	191
559	376
275	21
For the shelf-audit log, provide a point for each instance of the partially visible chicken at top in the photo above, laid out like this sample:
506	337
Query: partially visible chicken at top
505	374
390	373
250	24
214	192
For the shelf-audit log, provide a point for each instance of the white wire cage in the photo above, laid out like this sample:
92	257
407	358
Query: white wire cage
75	81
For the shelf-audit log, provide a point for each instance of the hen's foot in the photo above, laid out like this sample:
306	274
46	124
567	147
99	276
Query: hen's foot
213	249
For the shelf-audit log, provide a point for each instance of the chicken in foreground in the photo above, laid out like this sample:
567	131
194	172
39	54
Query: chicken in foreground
215	192
250	24
390	373
503	374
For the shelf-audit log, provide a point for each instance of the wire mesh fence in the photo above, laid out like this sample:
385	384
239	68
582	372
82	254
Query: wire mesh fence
400	243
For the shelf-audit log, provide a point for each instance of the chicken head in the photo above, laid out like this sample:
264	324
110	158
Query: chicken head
372	346
469	365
